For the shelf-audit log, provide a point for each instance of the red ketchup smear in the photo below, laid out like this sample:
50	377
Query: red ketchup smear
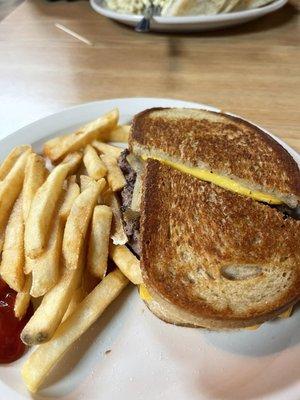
11	346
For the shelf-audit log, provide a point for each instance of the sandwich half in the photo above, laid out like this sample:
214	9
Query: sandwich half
212	258
211	208
219	148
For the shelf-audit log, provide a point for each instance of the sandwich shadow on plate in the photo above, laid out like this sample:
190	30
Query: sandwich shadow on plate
260	363
236	365
270	338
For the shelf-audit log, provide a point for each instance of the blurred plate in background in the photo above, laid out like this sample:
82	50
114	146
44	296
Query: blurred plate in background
190	23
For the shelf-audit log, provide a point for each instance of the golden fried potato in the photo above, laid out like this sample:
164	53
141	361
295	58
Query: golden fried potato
56	149
12	262
115	177
95	167
127	262
35	175
43	359
99	241
78	222
38	223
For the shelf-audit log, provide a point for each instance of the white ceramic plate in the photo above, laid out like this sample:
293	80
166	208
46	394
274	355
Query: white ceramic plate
190	23
150	359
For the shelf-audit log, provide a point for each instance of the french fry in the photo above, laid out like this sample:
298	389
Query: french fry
11	187
23	299
43	359
55	142
43	207
12	263
118	234
82	137
119	134
115	177
78	222
47	317
78	295
2	236
72	193
35	175
105	148
99	241
45	268
74	162
10	160
127	262
93	163
85	181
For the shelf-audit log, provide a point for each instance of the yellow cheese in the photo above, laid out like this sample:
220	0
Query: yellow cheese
287	313
219	180
144	294
252	328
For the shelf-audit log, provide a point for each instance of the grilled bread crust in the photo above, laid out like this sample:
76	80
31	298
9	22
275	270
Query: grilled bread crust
193	233
222	143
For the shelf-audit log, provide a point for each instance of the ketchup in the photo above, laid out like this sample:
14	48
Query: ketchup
11	346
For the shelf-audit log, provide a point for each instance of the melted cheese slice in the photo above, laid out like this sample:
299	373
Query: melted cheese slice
252	328
144	293
287	313
219	180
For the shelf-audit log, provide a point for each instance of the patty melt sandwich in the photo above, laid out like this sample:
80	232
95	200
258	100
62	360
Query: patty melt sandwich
211	208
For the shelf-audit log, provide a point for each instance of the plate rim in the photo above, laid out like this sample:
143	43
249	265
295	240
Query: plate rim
194	19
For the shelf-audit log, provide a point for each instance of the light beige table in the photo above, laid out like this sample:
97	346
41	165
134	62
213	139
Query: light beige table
252	70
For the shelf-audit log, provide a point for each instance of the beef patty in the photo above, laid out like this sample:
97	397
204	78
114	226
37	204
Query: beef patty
131	219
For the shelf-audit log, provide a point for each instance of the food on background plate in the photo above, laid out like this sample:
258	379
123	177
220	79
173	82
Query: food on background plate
196	194
185	7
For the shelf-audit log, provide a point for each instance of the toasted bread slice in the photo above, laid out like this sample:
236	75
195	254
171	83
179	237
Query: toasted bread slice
212	258
221	144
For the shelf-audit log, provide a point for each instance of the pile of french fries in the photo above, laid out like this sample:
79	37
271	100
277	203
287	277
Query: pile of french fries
59	227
